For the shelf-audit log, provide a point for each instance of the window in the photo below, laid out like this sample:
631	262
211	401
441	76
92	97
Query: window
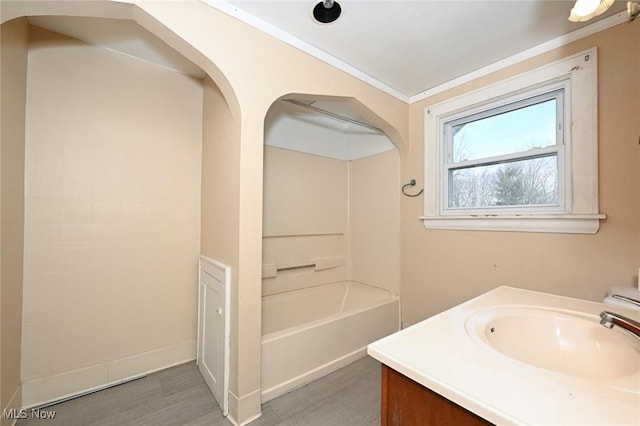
520	155
507	155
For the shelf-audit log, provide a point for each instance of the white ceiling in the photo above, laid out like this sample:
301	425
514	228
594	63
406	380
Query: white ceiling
403	47
413	46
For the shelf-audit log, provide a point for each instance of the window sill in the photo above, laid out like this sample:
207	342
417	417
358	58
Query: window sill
552	223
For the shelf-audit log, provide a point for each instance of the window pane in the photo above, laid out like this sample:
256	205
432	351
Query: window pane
533	126
527	182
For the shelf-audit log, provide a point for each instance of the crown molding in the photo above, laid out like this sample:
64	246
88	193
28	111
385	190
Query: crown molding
238	13
596	27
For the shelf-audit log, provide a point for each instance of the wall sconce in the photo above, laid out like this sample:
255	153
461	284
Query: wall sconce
583	10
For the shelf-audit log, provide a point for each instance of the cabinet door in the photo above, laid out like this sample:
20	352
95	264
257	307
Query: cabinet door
212	333
405	402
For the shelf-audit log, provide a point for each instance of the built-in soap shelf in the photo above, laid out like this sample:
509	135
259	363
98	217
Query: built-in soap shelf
319	264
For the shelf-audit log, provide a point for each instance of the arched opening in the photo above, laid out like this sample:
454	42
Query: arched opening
331	220
112	146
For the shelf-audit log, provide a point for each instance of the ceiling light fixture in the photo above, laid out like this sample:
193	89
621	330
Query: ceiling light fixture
327	11
584	10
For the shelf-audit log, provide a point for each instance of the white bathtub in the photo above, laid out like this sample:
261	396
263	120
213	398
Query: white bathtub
309	333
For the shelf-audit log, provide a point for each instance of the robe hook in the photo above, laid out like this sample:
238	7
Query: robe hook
411	183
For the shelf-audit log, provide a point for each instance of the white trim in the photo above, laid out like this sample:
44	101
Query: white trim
234	11
52	388
244	407
567	224
259	24
580	213
596	27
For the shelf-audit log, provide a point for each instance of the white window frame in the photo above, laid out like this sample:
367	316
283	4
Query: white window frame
577	210
554	90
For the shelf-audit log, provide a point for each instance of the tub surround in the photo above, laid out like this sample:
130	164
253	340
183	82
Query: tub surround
319	208
441	354
296	251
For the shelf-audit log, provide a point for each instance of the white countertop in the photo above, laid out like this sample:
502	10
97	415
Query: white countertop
440	354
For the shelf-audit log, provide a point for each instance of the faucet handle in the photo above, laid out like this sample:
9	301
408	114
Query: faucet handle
626	299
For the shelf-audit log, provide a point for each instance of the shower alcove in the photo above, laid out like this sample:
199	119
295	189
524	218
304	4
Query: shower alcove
331	240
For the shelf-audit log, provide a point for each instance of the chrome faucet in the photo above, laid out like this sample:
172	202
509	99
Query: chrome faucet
609	319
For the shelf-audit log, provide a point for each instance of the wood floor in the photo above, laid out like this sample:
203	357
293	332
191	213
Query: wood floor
179	396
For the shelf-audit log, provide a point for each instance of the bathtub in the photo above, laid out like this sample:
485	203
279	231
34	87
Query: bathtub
309	333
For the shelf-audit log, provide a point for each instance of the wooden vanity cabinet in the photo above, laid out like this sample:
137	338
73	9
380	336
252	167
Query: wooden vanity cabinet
405	402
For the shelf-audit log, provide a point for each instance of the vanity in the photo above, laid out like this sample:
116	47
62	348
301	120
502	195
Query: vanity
512	357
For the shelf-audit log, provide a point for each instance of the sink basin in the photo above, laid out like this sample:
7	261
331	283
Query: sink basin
565	342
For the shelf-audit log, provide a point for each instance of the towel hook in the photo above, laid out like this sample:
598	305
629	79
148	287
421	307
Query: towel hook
411	183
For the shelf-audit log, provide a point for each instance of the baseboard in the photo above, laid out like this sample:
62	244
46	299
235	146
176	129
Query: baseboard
13	406
48	389
246	409
310	376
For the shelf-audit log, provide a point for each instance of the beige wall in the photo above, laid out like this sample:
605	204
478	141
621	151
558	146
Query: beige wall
219	193
220	203
374	220
13	86
112	232
444	268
